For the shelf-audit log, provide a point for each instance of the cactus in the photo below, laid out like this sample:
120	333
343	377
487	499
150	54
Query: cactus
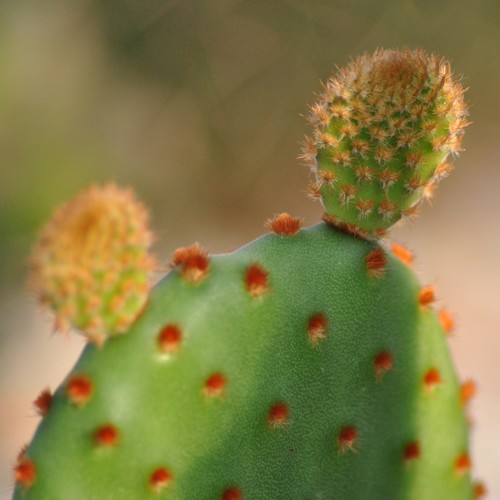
309	363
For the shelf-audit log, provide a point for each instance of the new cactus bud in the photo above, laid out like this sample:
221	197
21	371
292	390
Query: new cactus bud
91	263
383	129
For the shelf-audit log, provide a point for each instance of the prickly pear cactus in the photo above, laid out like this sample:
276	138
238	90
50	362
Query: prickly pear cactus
309	364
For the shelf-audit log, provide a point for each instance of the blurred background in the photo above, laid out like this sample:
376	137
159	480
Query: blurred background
198	105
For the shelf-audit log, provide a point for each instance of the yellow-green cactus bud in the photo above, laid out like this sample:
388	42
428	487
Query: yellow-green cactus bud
91	263
383	129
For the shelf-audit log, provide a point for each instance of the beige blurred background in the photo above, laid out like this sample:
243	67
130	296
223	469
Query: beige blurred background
198	104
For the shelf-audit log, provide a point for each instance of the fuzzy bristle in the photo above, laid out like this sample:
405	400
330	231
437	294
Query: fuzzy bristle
284	224
317	328
256	280
479	490
25	472
383	118
43	402
106	436
462	464
232	493
427	295
215	385
347	438
160	478
169	338
278	415
79	389
376	261
432	379
447	321
193	262
402	253
382	363
468	390
411	451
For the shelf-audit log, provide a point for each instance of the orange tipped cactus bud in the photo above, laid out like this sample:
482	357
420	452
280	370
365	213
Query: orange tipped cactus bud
91	263
383	128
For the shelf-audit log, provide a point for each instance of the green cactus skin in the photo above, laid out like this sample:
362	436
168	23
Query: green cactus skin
333	381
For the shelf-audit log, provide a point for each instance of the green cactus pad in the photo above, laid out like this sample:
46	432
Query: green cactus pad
383	129
305	366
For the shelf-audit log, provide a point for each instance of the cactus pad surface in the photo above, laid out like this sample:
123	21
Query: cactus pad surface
291	370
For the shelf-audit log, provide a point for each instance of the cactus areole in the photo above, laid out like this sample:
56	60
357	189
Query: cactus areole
383	130
308	364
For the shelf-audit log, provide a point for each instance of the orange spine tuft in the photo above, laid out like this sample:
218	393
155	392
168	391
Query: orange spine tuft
376	261
278	415
169	338
215	385
411	451
382	363
25	471
347	438
462	464
43	402
256	280
402	253
427	295
160	478
467	391
317	328
79	389
447	321
232	493
106	435
193	261
284	224
432	379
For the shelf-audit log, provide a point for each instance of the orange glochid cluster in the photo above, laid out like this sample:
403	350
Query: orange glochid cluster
376	262
447	321
346	439
24	470
278	415
215	385
79	389
193	262
411	451
106	436
432	379
317	328
43	402
479	490
382	363
468	390
169	338
427	295
232	493
402	253
256	280
462	464
160	478
284	224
